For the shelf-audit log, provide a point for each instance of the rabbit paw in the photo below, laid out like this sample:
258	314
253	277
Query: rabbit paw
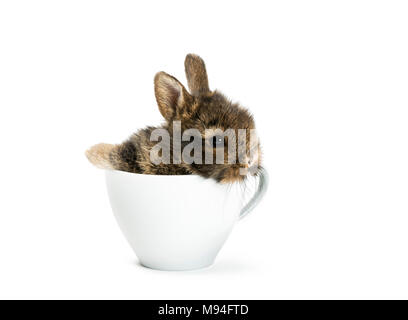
99	155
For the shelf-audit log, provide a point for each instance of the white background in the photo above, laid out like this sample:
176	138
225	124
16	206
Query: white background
327	82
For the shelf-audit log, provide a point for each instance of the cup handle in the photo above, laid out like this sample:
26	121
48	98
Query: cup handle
260	192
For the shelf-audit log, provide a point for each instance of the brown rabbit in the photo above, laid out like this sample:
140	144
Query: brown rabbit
200	109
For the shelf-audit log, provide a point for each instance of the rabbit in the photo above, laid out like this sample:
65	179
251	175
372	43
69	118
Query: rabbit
200	108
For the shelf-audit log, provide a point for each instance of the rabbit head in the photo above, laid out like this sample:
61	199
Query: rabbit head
209	112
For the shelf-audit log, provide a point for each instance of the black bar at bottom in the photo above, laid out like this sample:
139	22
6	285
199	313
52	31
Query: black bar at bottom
205	309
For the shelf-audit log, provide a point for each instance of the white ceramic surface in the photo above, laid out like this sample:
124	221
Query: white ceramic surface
176	222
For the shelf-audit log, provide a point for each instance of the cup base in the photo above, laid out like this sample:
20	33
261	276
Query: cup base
176	267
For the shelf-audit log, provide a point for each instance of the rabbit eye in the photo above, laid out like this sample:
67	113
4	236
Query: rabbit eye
217	141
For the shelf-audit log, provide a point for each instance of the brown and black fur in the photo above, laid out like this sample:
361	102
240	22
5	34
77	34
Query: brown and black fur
200	109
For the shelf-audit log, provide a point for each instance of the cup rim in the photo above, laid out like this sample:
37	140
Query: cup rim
166	176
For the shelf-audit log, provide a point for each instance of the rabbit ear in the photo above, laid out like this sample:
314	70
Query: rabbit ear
171	96
196	74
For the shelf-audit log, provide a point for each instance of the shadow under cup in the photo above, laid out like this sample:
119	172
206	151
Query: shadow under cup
176	222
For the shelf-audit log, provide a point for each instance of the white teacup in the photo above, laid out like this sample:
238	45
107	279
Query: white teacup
177	222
